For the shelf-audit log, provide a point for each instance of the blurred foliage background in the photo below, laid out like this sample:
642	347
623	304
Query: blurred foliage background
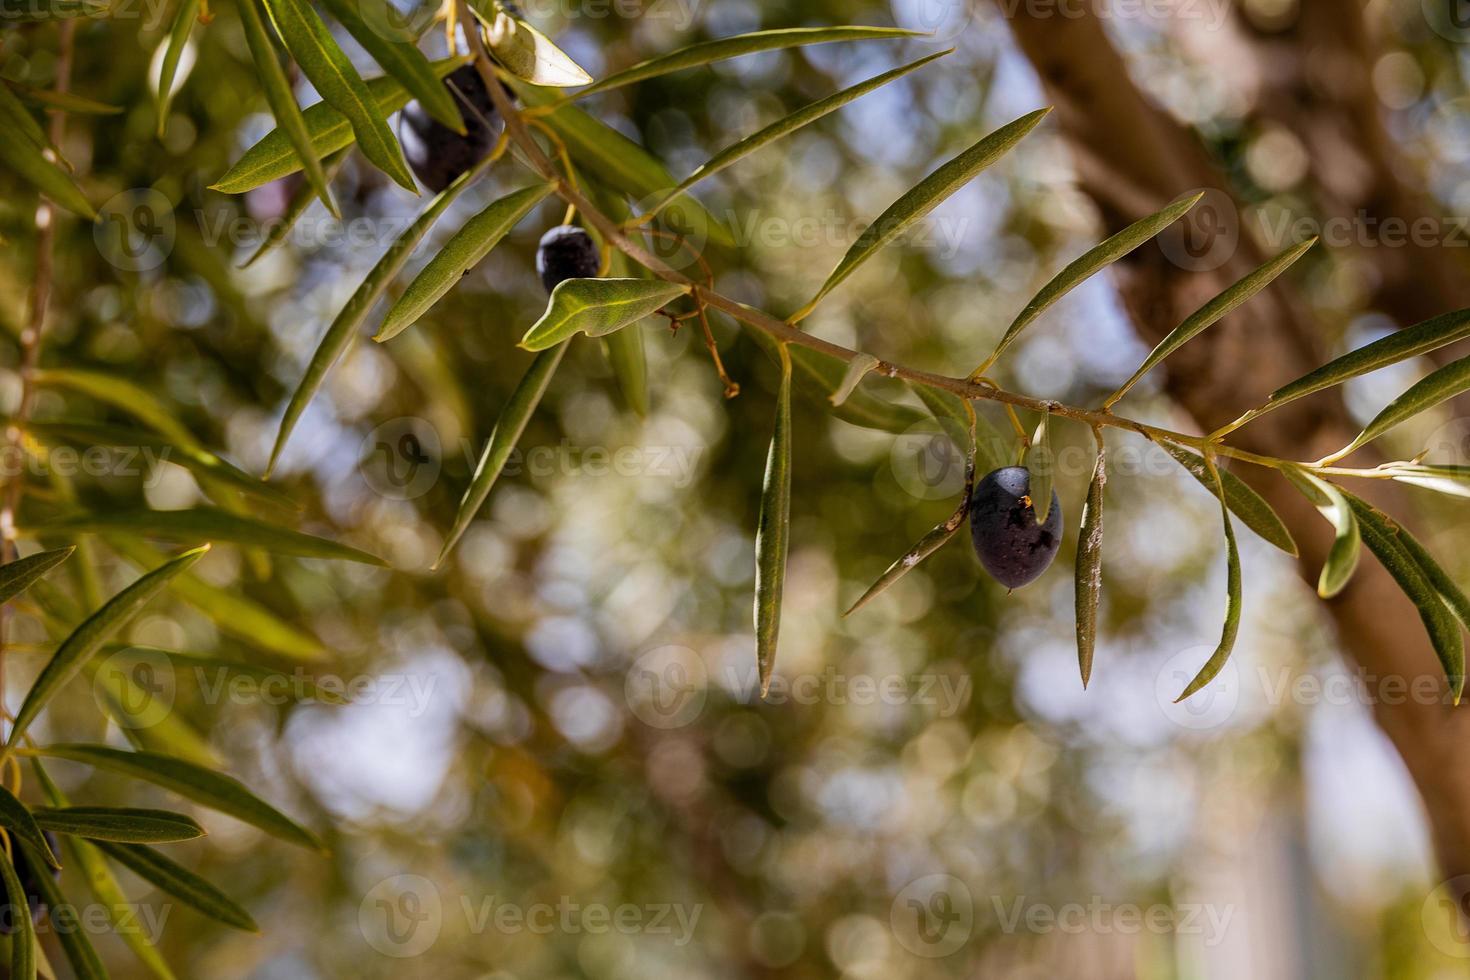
515	751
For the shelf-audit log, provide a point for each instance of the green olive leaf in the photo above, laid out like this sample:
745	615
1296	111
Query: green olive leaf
1082	268
85	640
1342	557
924	197
25	157
131	825
857	369
23	941
400	59
174	879
786	125
1233	601
17	576
21	824
1390	545
204	786
120	910
70	931
290	120
233	613
508	428
459	255
818	375
1213	311
312	46
1244	502
622	164
301	201
721	49
202	524
1089	565
931	542
1401	345
185	15
1438	386
773	533
344	326
598	307
276	155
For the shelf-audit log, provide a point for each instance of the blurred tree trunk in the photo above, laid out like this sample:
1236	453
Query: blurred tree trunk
1133	158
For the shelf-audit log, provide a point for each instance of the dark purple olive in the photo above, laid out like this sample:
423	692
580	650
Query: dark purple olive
1011	545
437	153
28	870
566	252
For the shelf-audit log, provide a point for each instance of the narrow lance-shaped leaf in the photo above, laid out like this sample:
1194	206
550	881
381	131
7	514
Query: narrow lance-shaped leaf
400	59
621	163
1217	660
120	910
198	524
133	825
1449	591
21	825
924	197
229	610
1383	539
1342	557
931	542
174	879
85	640
1089	565
1244	502
27	161
344	326
65	101
17	576
124	395
1438	386
23	940
598	307
1042	463
460	254
786	125
70	931
721	49
1080	269
1398	346
1451	479
282	100
185	15
301	201
1213	311
524	51
312	46
508	428
773	533
275	155
205	786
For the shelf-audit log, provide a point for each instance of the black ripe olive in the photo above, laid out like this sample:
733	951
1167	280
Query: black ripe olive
28	870
437	153
566	252
1010	544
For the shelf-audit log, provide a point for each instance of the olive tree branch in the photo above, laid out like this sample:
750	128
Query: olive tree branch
615	234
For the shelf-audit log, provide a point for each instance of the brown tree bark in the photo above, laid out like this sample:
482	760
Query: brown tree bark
1132	158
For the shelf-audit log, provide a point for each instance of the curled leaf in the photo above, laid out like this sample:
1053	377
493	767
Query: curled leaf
526	52
1089	565
598	307
773	534
1217	660
1042	463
